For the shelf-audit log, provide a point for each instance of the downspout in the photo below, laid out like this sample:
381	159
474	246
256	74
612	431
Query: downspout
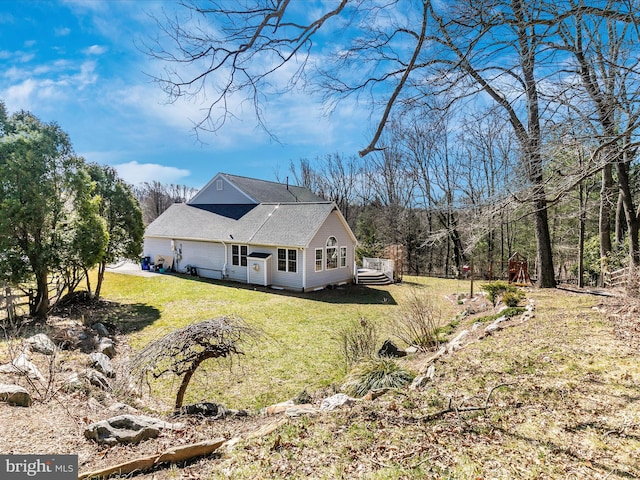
224	267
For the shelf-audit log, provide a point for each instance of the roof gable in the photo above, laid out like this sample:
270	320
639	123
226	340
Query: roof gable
232	189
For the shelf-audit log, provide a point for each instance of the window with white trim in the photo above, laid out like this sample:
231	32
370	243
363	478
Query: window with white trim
319	259
332	253
239	255
287	260
343	257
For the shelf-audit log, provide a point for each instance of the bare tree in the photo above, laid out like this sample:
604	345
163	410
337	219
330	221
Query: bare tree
602	44
155	197
396	56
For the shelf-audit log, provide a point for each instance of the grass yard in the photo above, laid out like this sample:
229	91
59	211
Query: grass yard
558	394
299	347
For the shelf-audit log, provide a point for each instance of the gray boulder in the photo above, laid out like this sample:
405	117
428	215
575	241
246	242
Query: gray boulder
102	363
336	401
41	343
23	366
126	429
14	395
101	329
97	379
107	347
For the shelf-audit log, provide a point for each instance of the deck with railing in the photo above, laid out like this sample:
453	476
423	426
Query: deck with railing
375	271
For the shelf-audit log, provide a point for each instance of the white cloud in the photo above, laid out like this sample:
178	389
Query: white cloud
62	32
95	50
135	173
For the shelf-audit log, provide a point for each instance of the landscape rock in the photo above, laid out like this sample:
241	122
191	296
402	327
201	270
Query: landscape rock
22	365
278	408
456	343
126	429
421	380
107	347
102	364
495	325
336	401
97	379
15	395
411	350
101	329
388	349
41	343
301	410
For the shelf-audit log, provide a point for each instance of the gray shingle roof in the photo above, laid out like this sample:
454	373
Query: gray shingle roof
290	224
271	192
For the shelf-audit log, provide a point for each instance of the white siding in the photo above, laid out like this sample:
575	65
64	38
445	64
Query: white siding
154	247
207	257
288	280
332	227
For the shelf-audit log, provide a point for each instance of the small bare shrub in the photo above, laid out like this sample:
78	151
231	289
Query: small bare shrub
418	321
375	373
358	340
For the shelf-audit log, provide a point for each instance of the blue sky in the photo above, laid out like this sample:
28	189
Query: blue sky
79	63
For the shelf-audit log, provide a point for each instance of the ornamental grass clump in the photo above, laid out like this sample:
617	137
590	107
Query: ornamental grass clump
375	373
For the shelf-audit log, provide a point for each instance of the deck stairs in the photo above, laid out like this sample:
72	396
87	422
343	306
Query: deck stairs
373	277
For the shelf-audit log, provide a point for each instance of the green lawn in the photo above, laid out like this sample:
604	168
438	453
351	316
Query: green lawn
298	348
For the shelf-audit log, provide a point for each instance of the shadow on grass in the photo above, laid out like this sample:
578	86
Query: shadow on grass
346	294
125	318
117	317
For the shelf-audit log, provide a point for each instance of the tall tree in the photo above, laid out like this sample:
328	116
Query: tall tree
42	183
602	41
121	212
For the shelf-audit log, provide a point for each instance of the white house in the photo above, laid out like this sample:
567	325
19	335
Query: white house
257	232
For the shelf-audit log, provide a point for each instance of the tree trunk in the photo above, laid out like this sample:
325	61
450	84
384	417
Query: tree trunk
581	233
101	269
620	222
187	376
604	221
622	169
545	274
40	307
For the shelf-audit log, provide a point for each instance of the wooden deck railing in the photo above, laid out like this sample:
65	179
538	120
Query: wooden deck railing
383	265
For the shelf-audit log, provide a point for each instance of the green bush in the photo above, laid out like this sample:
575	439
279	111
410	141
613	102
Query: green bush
500	289
512	299
375	373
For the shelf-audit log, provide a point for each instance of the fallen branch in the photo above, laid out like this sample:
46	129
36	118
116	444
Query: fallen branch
178	454
459	408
